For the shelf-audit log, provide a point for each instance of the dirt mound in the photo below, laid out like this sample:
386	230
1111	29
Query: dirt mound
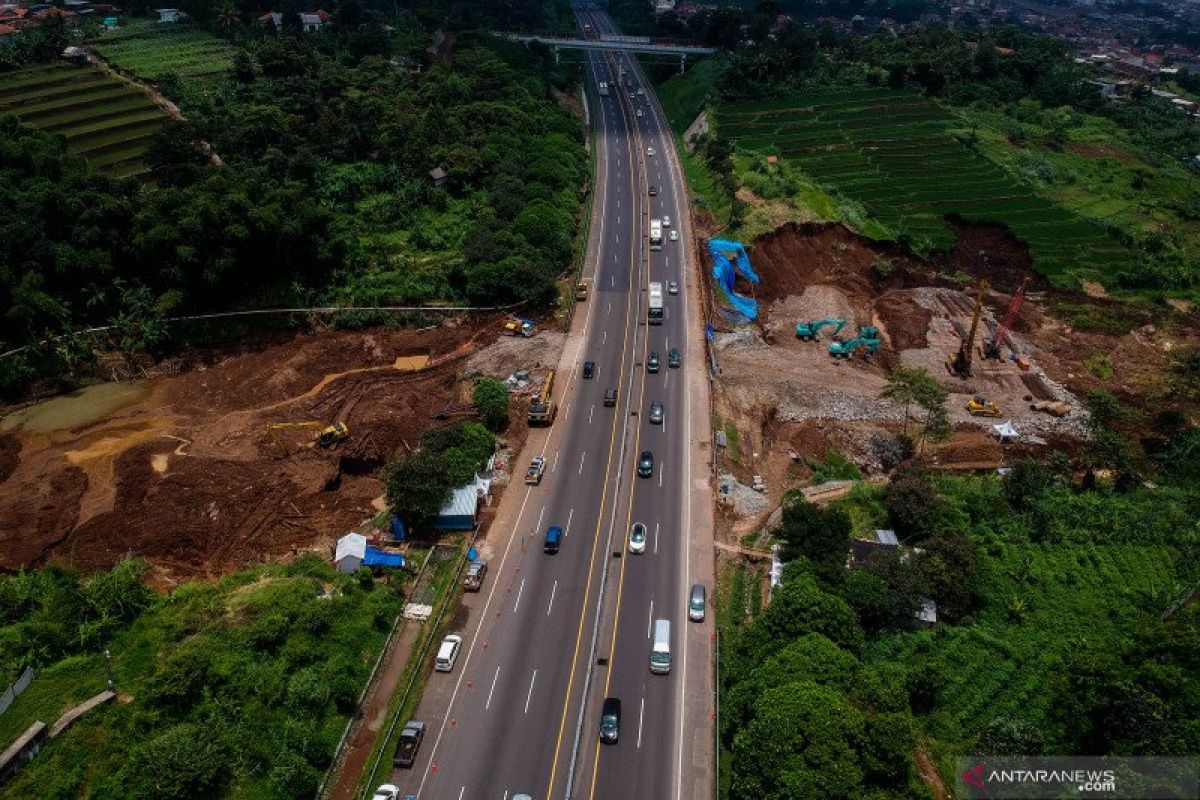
797	256
968	449
192	478
904	320
986	250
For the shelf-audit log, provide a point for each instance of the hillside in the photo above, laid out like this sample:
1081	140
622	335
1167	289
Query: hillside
105	120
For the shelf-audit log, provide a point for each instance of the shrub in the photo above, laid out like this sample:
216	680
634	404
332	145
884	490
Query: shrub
491	400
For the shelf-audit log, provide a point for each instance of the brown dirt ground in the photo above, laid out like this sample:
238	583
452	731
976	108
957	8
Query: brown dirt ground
190	477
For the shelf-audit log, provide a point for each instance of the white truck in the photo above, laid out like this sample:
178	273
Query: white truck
604	88
656	234
655	314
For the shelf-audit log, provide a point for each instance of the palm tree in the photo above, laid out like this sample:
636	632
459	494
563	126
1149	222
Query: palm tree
227	18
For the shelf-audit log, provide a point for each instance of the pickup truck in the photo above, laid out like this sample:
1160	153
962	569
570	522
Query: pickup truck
533	475
410	742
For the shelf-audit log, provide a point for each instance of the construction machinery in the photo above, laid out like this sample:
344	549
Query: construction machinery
1056	408
979	406
518	326
327	435
960	363
868	332
807	331
543	409
844	349
991	347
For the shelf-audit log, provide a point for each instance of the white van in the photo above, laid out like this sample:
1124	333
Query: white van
660	655
448	653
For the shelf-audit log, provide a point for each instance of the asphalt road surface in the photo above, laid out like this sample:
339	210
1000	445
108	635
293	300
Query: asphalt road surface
552	635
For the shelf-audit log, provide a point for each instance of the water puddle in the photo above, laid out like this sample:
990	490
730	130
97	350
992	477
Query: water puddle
81	407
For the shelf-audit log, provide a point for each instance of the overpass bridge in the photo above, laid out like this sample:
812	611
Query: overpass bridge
611	42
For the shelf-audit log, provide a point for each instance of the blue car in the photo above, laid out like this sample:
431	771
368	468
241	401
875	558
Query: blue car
553	539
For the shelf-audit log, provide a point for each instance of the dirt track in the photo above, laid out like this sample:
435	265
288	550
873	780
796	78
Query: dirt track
189	476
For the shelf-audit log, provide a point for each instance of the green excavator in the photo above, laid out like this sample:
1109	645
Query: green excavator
807	331
844	349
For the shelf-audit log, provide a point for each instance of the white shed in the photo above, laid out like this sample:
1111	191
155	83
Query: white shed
351	550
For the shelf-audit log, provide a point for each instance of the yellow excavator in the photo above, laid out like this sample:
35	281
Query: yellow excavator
327	435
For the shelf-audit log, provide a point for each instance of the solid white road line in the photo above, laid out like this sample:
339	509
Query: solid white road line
550	605
641	713
520	591
529	696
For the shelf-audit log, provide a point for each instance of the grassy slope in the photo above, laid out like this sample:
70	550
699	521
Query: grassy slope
220	620
1096	172
683	96
890	152
151	50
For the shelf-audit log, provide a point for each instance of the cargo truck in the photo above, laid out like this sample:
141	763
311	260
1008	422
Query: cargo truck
542	409
656	229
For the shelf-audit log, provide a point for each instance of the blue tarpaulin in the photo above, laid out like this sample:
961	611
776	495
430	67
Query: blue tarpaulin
730	259
399	532
378	558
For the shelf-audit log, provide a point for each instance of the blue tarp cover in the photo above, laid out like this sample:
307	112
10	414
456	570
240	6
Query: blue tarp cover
378	558
730	258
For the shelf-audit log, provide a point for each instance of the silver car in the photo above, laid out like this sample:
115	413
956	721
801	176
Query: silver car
672	287
656	412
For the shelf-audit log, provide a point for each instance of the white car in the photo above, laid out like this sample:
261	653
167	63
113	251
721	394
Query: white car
673	236
666	222
447	653
649	151
387	791
672	287
637	538
639	112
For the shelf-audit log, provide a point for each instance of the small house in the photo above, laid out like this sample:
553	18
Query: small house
461	510
272	17
438	177
350	553
170	15
314	20
75	55
862	549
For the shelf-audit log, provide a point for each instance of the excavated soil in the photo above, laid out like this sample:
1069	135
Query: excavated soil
190	477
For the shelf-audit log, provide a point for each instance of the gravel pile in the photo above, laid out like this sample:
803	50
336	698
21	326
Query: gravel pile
745	501
797	404
743	337
510	354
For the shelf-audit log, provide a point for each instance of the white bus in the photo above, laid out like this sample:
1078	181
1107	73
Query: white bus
655	314
604	88
656	234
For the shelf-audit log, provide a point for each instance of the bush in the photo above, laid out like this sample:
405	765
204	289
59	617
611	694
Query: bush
910	502
185	761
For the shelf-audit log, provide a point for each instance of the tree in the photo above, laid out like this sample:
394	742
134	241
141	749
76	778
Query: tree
910	500
417	486
802	742
491	401
798	607
821	535
185	761
948	570
906	386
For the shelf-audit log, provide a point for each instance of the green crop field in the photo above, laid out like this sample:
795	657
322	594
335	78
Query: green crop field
151	50
890	151
103	119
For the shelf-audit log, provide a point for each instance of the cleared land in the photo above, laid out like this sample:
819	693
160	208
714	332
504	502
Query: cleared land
150	50
890	151
103	119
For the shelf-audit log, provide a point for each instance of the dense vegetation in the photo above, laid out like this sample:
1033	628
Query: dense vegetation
1066	621
324	197
240	687
418	484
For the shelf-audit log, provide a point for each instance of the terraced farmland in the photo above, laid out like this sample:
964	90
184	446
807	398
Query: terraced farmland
890	151
103	119
150	50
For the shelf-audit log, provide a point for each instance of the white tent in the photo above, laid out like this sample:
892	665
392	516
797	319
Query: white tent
351	549
1004	431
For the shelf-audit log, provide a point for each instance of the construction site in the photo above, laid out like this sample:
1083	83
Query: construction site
224	459
836	313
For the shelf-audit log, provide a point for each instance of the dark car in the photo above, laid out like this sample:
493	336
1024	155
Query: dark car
589	369
610	397
653	190
673	358
410	742
652	363
656	412
645	464
553	540
610	720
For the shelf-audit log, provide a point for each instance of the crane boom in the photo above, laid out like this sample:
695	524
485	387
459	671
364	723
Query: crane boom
991	348
960	364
